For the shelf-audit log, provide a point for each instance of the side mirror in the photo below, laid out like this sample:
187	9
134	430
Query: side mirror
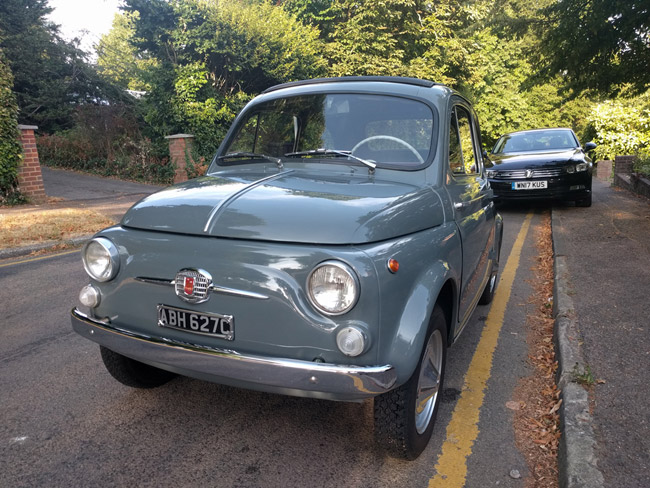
590	146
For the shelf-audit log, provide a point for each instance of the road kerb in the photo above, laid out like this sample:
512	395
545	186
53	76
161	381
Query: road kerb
577	462
41	247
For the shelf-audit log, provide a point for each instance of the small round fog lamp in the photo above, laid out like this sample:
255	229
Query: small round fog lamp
89	296
350	341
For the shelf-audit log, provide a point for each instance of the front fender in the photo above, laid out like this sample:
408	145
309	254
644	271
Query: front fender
410	333
430	265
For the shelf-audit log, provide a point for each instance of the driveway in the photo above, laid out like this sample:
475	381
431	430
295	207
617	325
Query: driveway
104	195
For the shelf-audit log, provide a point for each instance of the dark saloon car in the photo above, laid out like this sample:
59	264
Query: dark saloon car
338	244
541	164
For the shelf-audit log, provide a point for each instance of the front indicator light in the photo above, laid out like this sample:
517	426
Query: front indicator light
89	296
351	341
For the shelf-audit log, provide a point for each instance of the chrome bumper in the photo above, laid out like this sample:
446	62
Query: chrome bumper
285	376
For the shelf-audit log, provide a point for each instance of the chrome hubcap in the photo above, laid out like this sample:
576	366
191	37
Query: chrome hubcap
428	382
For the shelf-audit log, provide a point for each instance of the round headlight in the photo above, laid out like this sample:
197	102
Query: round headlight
101	259
350	341
333	288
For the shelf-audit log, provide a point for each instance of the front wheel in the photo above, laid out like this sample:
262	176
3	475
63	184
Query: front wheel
133	373
405	416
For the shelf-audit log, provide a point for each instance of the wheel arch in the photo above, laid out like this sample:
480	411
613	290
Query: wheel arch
437	286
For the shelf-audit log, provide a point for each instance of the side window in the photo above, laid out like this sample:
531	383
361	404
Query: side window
466	142
455	155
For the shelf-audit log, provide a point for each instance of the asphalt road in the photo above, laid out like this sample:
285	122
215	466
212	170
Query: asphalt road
65	422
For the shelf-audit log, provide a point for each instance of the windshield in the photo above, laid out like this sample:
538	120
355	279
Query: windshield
378	128
542	140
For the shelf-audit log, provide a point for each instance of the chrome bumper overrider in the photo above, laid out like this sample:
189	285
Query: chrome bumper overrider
287	376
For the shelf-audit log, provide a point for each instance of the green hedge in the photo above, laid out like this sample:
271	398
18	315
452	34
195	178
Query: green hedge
10	150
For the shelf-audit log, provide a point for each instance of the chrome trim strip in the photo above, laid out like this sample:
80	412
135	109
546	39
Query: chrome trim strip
238	293
237	194
213	288
279	375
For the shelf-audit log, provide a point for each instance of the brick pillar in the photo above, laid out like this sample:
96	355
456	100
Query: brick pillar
604	170
180	150
623	165
30	178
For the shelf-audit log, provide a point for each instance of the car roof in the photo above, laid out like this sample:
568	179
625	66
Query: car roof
343	79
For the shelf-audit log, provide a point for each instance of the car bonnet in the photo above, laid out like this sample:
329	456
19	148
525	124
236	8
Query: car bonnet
290	206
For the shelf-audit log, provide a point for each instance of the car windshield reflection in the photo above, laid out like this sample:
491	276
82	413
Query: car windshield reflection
535	141
379	129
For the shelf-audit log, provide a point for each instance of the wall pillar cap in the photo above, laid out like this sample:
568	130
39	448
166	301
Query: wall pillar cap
180	136
27	127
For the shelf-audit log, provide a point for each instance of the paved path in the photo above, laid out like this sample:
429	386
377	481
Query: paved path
607	253
107	196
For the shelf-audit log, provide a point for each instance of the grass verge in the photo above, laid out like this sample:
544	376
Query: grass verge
38	226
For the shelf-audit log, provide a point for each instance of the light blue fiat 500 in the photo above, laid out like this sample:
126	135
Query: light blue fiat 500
338	244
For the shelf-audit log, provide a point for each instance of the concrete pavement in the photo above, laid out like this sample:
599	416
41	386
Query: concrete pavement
602	256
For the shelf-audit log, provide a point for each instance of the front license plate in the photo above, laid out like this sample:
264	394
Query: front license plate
210	324
529	185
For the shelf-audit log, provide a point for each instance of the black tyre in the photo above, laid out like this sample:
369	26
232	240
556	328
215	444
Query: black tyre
133	373
405	416
488	291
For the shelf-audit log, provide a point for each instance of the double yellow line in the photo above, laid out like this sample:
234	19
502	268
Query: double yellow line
462	431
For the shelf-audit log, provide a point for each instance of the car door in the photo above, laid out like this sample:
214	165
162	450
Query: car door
471	195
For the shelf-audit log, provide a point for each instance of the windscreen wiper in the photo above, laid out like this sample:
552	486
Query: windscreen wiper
250	155
324	152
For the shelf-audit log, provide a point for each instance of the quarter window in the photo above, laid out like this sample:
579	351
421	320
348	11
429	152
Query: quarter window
466	142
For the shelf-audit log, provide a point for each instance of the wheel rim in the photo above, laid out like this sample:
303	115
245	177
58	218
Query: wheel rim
429	382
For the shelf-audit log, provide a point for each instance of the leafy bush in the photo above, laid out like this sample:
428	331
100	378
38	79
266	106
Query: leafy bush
107	141
642	165
621	126
10	151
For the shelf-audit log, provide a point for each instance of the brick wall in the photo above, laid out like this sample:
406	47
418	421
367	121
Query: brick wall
180	149
30	179
623	164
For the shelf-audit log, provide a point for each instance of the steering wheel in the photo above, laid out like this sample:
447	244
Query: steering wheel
389	138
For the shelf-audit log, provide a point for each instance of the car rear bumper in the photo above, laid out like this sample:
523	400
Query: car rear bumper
275	375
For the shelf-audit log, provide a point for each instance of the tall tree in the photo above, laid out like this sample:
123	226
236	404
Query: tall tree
599	44
212	56
51	76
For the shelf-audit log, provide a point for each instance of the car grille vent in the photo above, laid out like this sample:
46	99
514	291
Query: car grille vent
536	173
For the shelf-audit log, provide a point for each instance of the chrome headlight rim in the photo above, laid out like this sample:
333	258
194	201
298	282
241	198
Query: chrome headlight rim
347	270
113	257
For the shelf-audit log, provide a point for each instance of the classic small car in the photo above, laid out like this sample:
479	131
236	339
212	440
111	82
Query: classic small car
338	244
541	164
